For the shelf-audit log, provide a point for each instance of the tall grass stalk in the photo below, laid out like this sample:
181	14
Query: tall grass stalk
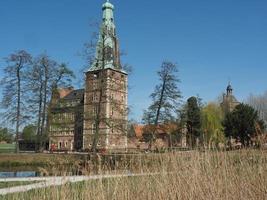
186	175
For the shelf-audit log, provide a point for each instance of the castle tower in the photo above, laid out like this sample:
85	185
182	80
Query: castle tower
105	101
229	100
229	90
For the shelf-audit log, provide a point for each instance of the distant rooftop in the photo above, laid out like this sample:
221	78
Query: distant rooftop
75	94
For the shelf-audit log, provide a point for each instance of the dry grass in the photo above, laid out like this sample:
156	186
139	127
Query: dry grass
16	183
187	175
44	163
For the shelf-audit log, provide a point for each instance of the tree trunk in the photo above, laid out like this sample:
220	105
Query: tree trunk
44	107
38	141
157	115
97	121
98	113
18	109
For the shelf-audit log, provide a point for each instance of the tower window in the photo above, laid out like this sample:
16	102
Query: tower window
94	85
95	110
93	128
94	97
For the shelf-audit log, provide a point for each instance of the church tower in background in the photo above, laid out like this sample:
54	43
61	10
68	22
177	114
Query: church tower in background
229	101
105	98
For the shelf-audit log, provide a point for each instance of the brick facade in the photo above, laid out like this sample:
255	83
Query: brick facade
101	109
113	108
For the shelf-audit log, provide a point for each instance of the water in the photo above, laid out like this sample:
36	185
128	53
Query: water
18	174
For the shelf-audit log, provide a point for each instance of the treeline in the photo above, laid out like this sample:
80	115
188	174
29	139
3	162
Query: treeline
208	125
27	86
6	135
202	124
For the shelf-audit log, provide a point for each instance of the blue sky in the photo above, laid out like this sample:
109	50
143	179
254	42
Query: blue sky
212	41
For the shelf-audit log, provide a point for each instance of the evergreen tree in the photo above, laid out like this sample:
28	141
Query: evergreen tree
193	121
29	133
241	124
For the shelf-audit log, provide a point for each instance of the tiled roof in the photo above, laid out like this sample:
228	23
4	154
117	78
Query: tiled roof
75	94
138	129
64	92
161	129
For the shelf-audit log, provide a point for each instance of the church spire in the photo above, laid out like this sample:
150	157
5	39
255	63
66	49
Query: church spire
108	9
107	50
229	89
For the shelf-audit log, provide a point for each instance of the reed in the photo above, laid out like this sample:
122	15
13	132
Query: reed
183	175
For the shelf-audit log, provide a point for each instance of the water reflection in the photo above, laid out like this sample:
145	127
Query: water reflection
18	174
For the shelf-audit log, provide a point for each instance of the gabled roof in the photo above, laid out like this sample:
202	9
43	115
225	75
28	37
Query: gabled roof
75	94
64	91
139	130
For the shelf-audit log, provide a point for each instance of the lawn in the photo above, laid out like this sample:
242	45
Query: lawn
186	175
7	148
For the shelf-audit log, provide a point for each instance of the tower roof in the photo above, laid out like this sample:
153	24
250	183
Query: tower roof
107	49
229	87
107	5
108	17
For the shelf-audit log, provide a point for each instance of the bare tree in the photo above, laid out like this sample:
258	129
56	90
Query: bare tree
14	95
101	87
259	103
45	75
35	85
165	98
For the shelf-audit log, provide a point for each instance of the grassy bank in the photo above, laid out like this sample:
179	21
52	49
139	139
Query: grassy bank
45	163
188	175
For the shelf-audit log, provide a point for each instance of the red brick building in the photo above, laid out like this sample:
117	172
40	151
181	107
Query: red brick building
101	107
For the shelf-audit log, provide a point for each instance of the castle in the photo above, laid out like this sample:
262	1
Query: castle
95	118
97	115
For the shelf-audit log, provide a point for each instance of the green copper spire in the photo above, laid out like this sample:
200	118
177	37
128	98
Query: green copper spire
108	11
108	17
107	50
